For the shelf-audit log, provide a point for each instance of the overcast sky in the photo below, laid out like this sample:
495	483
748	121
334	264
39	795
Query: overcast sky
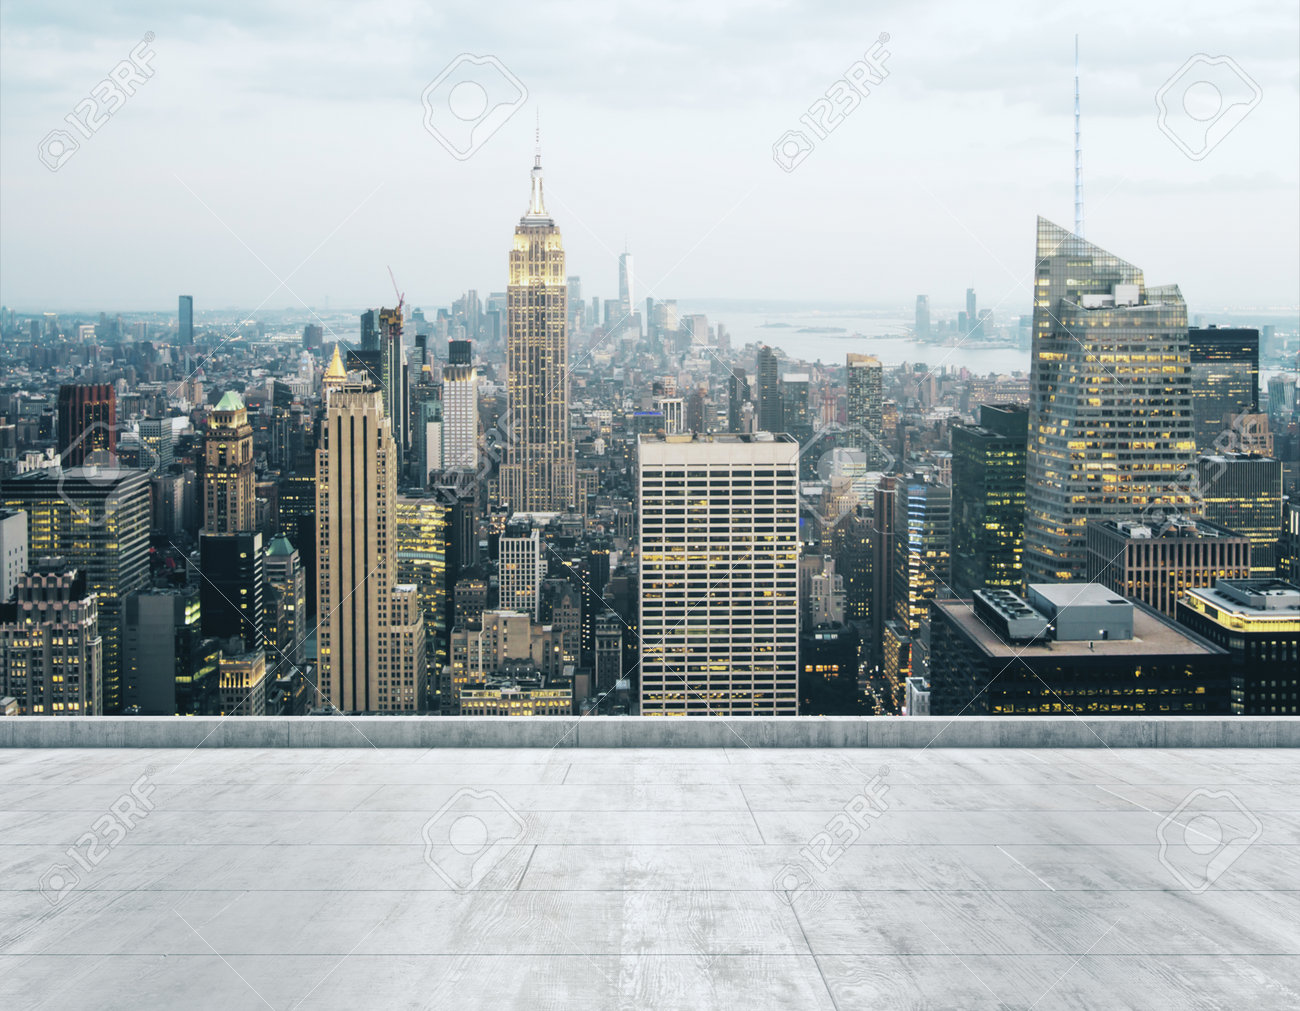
285	140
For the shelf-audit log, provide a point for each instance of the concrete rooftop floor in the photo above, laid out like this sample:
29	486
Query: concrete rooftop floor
719	878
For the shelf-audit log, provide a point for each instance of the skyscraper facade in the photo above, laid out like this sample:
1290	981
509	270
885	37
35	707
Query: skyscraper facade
1225	382
393	378
51	652
185	320
1243	492
922	536
737	396
1110	429
719	554
626	297
87	424
866	405
229	480
770	414
921	325
460	409
538	475
988	499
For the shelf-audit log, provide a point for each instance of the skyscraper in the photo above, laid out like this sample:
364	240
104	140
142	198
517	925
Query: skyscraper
229	495
366	618
51	652
1225	381
393	378
737	396
1243	492
538	475
719	554
625	294
185	317
460	408
1110	429
232	588
87	424
521	570
922	536
866	405
921	326
988	499
770	414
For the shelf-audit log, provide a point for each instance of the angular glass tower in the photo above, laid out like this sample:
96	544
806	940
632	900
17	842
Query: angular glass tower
1110	427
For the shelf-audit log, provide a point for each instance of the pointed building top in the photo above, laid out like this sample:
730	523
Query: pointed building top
229	402
536	206
335	372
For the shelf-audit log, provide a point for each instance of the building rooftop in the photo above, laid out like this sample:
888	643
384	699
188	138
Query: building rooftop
1153	634
579	878
1176	527
229	401
1258	598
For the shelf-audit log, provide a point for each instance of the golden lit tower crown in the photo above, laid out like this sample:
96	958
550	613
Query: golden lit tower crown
538	475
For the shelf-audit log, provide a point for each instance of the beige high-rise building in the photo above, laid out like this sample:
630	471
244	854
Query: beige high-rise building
229	481
538	475
719	554
371	635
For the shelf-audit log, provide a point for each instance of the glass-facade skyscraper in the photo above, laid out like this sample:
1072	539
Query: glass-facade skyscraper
988	499
1110	427
1225	381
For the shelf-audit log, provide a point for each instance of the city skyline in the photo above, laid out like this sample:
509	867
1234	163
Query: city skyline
935	230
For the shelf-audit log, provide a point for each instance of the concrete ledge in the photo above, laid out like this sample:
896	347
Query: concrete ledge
650	732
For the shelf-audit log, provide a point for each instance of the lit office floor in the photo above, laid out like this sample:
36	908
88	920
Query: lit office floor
582	878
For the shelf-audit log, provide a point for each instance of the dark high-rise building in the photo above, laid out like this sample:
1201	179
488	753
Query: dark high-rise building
370	330
1225	382
988	499
171	667
921	327
882	560
393	379
313	335
737	396
922	541
795	413
97	520
185	317
87	427
51	651
1243	492
232	578
770	415
1110	436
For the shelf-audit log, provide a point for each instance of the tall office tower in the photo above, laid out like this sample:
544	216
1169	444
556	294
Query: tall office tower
364	614
370	330
522	566
156	437
1244	493
229	499
538	475
232	584
988	499
87	424
286	578
865	408
420	536
185	315
881	537
97	521
51	653
770	417
737	396
427	440
626	297
393	378
460	408
795	412
1110	425
921	327
972	316
1225	382
576	307
1156	565
922	542
171	666
313	335
13	550
719	554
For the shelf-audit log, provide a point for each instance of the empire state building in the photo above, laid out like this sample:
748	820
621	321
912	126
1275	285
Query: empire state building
538	475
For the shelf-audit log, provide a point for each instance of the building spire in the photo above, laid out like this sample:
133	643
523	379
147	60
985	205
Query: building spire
1078	150
536	207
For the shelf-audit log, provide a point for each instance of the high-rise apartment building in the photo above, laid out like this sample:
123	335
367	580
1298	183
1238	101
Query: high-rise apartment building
988	499
229	480
538	475
770	414
96	520
1110	428
365	616
1225	382
521	568
87	424
460	408
719	555
51	653
185	320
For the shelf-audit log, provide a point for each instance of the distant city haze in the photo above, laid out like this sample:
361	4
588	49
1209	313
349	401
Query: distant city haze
276	155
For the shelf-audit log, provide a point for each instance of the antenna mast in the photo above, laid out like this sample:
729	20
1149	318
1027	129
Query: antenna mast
1078	150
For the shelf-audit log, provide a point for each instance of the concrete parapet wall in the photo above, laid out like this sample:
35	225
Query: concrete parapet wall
649	732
